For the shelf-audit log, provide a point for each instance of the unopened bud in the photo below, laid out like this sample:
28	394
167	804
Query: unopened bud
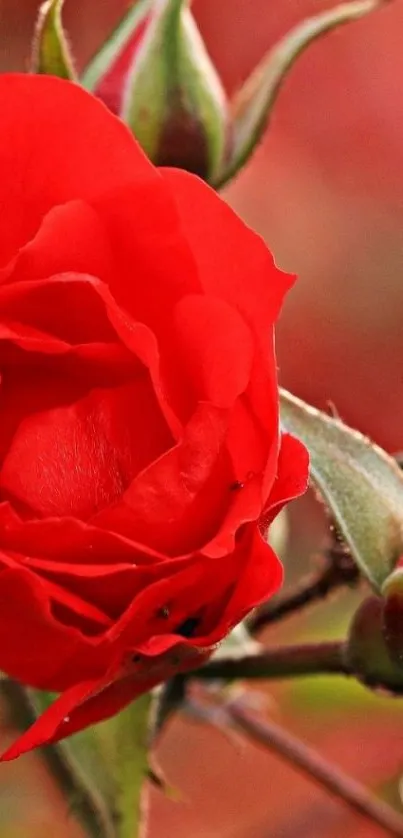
174	101
154	71
367	652
393	614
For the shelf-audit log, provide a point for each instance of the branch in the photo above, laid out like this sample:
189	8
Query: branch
339	570
73	784
284	662
273	737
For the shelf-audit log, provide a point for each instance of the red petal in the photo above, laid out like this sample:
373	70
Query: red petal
215	349
68	306
176	502
89	313
234	264
70	540
110	588
83	705
55	722
35	648
153	263
254	574
60	596
250	451
77	459
233	261
30	339
220	592
99	567
189	587
64	144
26	391
70	238
292	476
261	577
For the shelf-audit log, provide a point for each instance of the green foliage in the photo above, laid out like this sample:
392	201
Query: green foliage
107	762
360	483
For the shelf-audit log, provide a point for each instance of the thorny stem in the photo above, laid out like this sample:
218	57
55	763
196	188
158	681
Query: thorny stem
270	735
284	662
82	798
339	570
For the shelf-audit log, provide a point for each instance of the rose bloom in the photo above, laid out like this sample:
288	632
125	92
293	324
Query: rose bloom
141	457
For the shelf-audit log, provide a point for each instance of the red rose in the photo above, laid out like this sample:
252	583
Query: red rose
139	440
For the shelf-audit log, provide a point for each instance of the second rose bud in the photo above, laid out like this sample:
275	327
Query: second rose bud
164	85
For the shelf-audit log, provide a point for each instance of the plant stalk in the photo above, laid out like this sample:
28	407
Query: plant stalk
339	571
284	662
81	797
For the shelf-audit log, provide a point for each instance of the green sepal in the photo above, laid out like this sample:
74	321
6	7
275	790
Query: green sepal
51	53
109	52
252	106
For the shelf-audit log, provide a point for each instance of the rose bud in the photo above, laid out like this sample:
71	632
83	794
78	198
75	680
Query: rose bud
174	101
392	592
158	77
367	652
141	456
155	72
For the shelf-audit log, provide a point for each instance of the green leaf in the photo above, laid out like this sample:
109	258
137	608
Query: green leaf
361	484
130	737
116	43
107	764
51	53
77	765
253	104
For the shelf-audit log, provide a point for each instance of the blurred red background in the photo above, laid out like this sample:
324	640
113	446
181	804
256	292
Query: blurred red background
326	191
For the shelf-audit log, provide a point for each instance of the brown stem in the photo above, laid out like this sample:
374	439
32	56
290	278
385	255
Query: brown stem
284	662
270	735
339	570
81	796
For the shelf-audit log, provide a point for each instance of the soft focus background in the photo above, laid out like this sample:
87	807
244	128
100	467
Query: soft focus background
326	191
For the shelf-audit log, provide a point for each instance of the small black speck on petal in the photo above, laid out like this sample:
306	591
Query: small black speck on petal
236	486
